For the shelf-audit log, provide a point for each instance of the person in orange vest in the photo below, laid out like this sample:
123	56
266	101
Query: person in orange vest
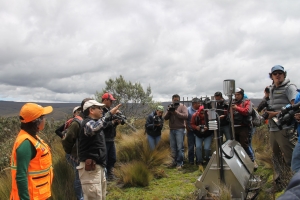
31	160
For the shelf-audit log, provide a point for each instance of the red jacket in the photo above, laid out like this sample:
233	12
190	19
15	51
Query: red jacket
242	113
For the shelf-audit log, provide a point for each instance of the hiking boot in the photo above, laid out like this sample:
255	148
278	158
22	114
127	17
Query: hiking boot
179	167
255	165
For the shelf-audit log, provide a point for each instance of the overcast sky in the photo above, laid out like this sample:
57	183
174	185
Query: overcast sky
64	51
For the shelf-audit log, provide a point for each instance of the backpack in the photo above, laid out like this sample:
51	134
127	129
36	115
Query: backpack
257	120
77	119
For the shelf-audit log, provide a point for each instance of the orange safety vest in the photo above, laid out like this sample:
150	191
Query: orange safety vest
40	171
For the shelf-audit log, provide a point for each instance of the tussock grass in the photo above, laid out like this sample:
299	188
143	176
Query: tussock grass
63	181
135	157
135	147
135	173
5	189
224	193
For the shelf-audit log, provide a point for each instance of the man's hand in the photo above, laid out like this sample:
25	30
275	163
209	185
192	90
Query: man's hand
233	106
297	117
115	109
272	114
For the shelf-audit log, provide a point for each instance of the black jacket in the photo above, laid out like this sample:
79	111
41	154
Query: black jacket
110	128
222	110
149	126
92	147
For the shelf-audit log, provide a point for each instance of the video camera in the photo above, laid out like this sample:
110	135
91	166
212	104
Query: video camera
286	115
205	101
172	107
202	128
120	116
265	115
157	120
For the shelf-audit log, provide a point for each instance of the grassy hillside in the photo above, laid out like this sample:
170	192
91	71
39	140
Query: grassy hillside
142	174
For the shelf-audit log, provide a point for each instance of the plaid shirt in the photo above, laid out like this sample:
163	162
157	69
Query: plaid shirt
92	126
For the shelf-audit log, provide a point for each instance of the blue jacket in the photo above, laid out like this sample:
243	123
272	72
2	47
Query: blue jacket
191	111
297	99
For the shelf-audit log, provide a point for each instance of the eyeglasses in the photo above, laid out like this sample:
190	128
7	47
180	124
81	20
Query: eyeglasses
275	73
97	107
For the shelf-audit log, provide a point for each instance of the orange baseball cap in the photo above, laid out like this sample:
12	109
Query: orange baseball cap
32	111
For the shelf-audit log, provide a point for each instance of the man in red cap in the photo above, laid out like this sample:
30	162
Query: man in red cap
110	134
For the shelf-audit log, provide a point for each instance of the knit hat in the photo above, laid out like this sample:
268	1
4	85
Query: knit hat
160	108
32	111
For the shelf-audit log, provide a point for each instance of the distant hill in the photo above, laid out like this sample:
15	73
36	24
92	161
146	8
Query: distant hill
61	110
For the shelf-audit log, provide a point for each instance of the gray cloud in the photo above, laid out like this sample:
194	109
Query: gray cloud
64	51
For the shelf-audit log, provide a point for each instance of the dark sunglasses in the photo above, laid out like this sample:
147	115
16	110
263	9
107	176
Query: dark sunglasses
275	73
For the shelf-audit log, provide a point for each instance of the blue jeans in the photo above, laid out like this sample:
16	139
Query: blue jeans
225	130
111	156
77	184
176	144
250	141
207	142
153	141
191	146
296	158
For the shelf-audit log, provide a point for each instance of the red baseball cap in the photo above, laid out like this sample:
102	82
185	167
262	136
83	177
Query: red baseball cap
108	96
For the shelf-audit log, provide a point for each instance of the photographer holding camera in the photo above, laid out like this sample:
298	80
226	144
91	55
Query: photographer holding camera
264	103
153	126
202	135
177	113
282	93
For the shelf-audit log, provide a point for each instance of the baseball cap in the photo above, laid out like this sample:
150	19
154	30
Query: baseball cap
160	108
108	96
76	108
32	111
90	103
277	68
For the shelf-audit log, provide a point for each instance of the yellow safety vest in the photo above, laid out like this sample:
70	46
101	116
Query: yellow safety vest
40	172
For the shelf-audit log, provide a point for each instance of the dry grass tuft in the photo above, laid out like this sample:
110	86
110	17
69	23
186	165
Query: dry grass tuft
134	173
224	193
5	177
